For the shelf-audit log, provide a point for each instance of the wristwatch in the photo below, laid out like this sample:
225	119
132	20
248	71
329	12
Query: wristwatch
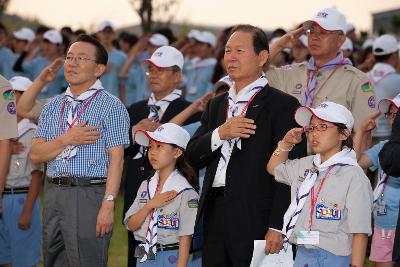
109	197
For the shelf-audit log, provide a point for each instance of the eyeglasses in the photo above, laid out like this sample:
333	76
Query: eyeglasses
390	115
79	59
320	33
319	127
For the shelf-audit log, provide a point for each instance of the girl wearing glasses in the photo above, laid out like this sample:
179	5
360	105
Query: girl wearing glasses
329	216
387	190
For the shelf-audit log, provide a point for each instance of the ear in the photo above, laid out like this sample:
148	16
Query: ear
344	135
341	40
263	58
177	76
178	153
100	70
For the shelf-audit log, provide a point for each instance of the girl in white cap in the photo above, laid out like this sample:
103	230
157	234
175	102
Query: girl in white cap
387	190
329	216
163	214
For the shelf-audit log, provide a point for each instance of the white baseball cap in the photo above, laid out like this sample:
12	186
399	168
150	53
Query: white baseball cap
158	39
105	24
369	42
24	34
347	45
384	104
329	19
205	37
350	27
53	37
326	111
385	45
168	133
20	83
166	56
192	33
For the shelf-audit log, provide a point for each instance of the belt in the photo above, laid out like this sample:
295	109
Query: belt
217	191
20	190
77	181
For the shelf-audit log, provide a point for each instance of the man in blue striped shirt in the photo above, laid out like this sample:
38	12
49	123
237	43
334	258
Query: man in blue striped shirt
81	135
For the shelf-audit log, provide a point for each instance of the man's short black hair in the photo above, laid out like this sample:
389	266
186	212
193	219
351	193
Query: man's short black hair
101	52
260	39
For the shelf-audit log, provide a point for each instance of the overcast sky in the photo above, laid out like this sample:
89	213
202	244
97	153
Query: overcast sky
264	13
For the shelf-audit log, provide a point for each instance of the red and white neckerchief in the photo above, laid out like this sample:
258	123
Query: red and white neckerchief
73	115
238	105
379	72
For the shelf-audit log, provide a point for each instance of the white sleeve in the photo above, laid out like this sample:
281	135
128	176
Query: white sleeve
216	141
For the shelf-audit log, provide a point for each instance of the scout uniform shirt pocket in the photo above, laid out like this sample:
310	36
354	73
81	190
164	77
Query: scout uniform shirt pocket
328	215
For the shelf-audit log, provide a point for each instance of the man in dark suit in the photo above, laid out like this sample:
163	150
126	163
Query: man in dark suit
164	70
240	129
390	163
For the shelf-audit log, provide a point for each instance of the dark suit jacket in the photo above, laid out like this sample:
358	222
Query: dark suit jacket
138	170
255	201
390	163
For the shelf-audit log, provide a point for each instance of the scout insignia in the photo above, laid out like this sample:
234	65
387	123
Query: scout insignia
8	94
11	108
325	213
143	194
366	87
297	89
371	101
168	221
193	203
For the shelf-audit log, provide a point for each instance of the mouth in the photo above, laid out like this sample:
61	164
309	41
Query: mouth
232	68
314	143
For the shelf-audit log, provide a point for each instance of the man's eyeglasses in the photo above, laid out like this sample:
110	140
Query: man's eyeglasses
79	59
319	127
390	115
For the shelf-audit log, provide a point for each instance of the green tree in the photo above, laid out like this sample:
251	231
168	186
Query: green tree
3	7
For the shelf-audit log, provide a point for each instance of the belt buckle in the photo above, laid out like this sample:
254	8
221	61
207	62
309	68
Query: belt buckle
65	181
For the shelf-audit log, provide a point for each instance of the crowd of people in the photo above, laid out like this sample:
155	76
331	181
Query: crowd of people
218	140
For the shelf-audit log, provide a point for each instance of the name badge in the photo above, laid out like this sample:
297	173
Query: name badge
307	237
168	221
65	153
325	213
381	208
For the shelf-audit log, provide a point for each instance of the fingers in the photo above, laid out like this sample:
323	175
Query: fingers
298	32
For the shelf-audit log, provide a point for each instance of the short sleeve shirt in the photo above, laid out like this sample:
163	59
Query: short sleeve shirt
111	80
391	193
174	220
343	207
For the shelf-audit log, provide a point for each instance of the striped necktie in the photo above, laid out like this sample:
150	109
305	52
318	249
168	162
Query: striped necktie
155	110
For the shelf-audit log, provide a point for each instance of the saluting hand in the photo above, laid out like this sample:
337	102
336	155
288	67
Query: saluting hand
237	127
49	73
292	137
162	199
287	40
145	125
81	134
369	123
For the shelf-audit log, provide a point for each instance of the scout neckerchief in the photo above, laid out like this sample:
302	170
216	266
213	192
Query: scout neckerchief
380	186
379	72
196	66
175	182
237	105
343	157
71	103
157	109
312	73
25	126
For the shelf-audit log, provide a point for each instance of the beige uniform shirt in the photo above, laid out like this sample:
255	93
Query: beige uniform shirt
8	117
175	219
346	194
348	86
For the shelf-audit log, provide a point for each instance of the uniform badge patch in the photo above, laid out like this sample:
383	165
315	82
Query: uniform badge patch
143	194
325	213
8	94
193	203
168	221
11	108
371	102
366	87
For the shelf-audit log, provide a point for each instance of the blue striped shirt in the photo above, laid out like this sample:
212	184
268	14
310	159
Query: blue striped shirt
112	120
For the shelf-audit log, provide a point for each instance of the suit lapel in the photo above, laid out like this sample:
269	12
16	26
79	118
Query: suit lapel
169	112
257	105
221	111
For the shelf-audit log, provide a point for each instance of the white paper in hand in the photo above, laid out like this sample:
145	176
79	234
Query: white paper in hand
281	259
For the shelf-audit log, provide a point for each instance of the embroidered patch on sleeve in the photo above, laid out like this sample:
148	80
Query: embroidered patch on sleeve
366	87
193	203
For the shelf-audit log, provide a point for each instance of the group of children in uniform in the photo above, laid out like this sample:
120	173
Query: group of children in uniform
329	218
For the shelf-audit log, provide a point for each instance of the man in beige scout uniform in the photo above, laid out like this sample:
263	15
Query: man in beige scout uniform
327	76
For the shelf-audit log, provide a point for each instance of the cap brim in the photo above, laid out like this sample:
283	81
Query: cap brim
143	138
303	116
308	24
147	62
384	104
